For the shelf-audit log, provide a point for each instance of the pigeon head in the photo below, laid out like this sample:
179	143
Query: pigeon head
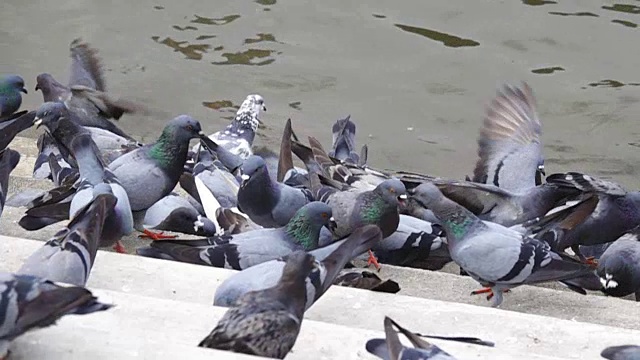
50	87
204	225
12	83
48	115
616	277
427	194
254	104
252	168
307	222
184	128
392	191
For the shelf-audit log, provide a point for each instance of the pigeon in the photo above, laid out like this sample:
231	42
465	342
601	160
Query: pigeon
10	98
266	322
504	207
28	303
267	203
366	280
70	254
601	217
221	183
151	172
330	260
619	266
47	147
497	257
8	161
13	125
344	141
622	352
392	349
510	145
174	213
248	249
75	140
86	93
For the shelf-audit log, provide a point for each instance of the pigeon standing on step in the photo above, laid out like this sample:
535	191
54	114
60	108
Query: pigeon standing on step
75	140
28	303
607	212
86	93
151	172
495	256
11	87
266	322
248	249
622	352
8	161
268	203
330	260
619	266
69	255
238	136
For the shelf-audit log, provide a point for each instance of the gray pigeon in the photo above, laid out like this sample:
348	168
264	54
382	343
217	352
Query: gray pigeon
266	322
619	266
8	161
391	348
330	260
69	255
175	213
622	352
86	93
47	147
248	249
344	141
75	140
151	172
510	147
13	125
237	137
10	98
268	204
495	256
605	214
28	303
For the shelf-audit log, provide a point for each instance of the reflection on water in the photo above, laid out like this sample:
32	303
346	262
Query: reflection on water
538	2
222	105
214	21
612	84
625	23
547	70
158	7
266	2
625	8
378	16
581	13
191	51
246	57
205	37
296	105
262	37
188	27
446	39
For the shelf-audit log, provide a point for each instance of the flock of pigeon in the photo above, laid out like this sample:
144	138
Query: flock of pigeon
294	231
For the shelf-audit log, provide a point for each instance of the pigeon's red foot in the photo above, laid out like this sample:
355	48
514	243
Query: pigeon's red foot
119	248
591	261
373	260
148	234
489	291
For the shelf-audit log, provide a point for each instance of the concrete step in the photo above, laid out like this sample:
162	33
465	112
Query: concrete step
138	324
513	332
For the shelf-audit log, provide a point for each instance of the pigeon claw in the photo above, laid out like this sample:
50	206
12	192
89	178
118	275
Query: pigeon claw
148	234
487	291
373	260
592	261
119	248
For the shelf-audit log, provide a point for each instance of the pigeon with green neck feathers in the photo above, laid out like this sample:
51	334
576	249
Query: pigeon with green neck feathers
498	257
247	249
11	87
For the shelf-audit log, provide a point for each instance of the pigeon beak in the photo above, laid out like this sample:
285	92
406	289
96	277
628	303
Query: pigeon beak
332	225
37	87
264	108
402	199
37	122
24	90
245	178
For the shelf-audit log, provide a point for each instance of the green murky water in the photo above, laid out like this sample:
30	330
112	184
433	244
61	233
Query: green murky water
416	76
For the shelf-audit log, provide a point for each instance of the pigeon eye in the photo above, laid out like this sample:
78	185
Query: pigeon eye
325	215
392	190
189	127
